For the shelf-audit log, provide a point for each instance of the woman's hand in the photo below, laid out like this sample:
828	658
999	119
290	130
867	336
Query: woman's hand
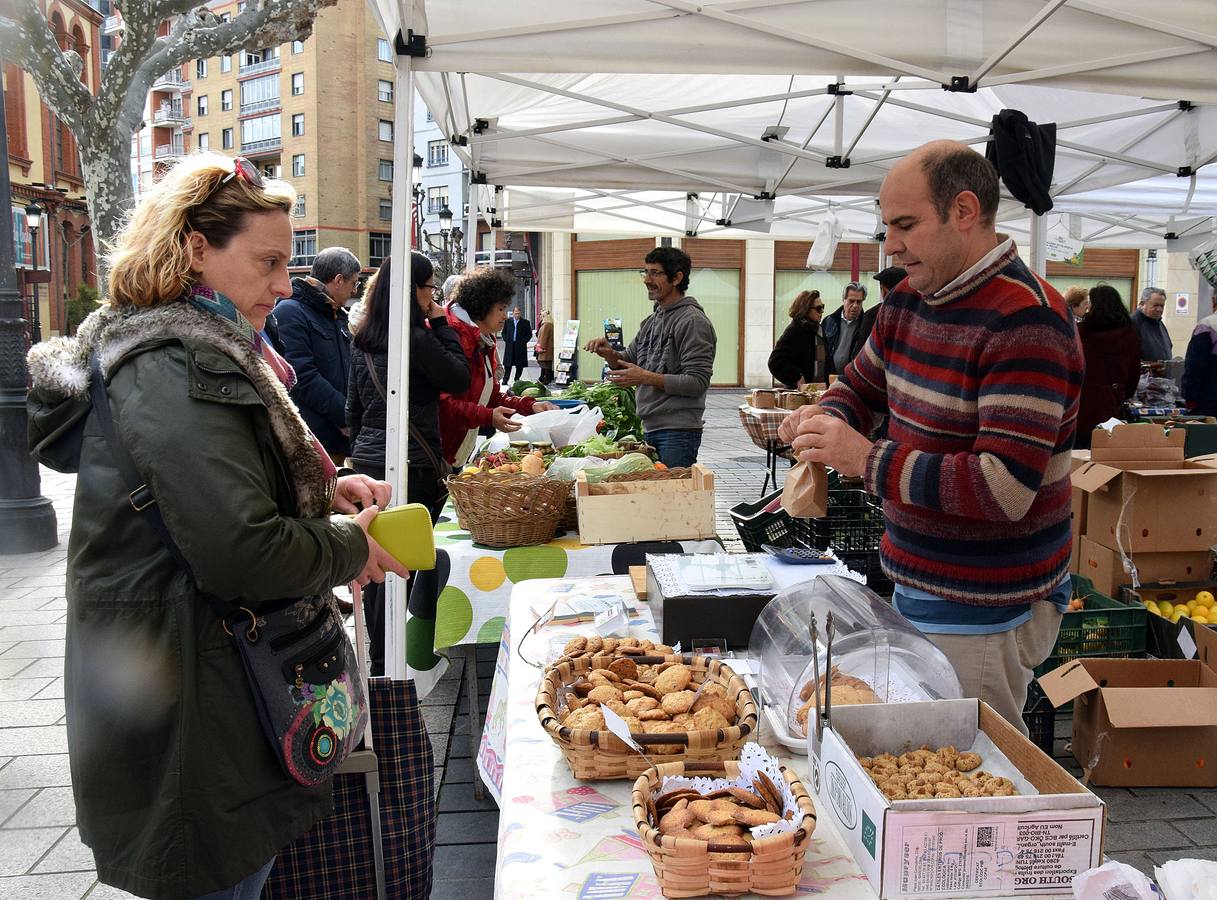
355	492
379	561
502	419
543	406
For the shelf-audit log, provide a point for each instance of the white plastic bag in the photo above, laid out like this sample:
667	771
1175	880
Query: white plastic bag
1113	879
824	247
561	427
1188	879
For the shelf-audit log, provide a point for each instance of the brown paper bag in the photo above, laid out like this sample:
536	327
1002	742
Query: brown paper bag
805	493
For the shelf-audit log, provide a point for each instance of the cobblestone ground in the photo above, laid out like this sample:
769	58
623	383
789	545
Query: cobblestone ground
41	855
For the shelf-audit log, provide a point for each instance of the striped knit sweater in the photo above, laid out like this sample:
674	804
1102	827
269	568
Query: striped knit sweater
982	385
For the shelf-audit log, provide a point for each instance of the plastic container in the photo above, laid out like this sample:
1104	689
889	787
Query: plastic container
1103	627
854	523
872	642
1039	715
757	527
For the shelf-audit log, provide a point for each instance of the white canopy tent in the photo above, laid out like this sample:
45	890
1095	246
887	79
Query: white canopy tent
608	115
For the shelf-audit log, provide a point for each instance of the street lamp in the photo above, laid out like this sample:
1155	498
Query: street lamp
445	219
416	174
33	219
416	190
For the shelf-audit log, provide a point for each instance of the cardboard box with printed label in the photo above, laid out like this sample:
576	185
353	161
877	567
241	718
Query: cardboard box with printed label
1143	722
1139	483
1030	844
1105	567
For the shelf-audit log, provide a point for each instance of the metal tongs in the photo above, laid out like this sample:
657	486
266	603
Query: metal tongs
823	711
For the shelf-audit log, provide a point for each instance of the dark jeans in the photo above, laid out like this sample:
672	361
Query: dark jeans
677	449
421	487
507	379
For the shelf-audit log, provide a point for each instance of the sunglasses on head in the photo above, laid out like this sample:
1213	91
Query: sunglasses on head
243	169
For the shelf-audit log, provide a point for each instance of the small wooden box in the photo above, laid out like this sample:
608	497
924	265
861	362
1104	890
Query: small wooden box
624	512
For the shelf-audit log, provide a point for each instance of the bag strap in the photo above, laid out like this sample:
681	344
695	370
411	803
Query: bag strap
140	495
414	432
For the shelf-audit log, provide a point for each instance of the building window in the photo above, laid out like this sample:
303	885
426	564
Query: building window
226	138
225	17
385	131
272	170
384	91
386	209
297	124
225	63
203	105
260	93
204	141
383	51
430	116
384	171
297	83
437	153
378	247
297	48
258	57
240	6
200	68
304	247
437	198
260	132
297	165
225	100
298	209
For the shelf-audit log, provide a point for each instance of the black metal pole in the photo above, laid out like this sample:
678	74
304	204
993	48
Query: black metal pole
35	312
27	519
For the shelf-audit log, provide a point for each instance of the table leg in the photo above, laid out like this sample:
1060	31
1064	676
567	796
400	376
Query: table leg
475	723
769	471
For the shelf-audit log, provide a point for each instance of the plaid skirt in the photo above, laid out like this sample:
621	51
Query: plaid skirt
336	859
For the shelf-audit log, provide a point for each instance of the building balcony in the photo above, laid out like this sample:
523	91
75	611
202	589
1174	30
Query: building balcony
258	68
111	25
255	148
258	106
169	151
172	81
166	116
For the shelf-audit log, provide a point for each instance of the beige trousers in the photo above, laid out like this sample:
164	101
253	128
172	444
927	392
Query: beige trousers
997	667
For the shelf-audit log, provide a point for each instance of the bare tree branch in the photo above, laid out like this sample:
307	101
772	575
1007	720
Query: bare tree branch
27	41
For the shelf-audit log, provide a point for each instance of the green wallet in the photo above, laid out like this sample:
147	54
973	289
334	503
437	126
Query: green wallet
405	532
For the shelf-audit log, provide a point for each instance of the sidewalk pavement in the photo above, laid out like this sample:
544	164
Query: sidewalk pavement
42	858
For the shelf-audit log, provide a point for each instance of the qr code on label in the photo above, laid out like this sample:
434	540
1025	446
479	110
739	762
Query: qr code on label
984	836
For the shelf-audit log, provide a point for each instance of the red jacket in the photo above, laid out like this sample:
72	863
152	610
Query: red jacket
460	412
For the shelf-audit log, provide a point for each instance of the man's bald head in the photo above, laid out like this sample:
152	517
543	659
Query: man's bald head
950	168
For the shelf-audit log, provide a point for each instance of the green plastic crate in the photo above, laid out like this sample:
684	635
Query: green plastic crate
1104	627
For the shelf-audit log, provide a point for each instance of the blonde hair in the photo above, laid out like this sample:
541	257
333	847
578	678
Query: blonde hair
1075	296
150	260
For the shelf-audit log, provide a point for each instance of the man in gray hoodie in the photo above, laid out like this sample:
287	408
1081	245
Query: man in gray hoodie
670	360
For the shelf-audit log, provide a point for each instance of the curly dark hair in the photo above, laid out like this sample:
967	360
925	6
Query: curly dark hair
483	289
1107	309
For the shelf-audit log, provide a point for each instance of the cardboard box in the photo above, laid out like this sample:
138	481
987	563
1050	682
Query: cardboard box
966	847
1143	722
1167	639
624	512
1077	509
1138	481
684	619
1105	568
1201	433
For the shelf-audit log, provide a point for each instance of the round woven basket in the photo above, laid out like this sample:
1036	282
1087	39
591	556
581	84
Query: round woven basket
687	867
653	475
502	510
601	756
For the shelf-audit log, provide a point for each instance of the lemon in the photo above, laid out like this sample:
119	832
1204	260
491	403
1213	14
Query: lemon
1153	607
1176	616
1166	607
1191	606
1200	620
1181	609
1205	599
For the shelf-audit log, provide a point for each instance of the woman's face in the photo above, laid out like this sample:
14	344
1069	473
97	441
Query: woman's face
252	270
493	323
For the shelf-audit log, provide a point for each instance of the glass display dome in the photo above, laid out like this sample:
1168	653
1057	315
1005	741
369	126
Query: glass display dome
878	655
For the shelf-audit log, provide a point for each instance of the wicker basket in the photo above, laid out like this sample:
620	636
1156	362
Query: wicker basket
502	510
653	475
691	868
570	512
601	756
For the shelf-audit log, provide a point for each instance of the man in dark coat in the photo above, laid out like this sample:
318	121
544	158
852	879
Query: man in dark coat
312	326
847	328
1155	339
517	332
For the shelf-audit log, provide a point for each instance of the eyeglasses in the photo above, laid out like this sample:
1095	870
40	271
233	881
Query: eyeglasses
644	273
432	285
819	308
243	169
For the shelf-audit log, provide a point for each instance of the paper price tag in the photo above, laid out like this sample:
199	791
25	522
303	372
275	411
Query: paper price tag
1187	643
617	726
614	620
676	647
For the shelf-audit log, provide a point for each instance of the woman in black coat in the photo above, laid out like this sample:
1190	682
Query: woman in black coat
801	355
1112	347
437	363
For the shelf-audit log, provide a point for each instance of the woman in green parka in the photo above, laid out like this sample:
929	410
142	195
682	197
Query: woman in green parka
178	792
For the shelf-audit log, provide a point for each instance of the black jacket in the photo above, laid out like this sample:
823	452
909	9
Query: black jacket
1113	369
516	335
437	363
832	331
317	342
801	352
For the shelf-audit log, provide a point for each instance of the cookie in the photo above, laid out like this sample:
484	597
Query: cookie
752	817
676	678
967	761
604	692
665	727
713	812
677	702
625	669
709	720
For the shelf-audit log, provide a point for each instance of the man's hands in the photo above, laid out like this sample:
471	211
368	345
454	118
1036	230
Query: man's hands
502	421
379	561
600	346
816	437
630	375
543	406
362	490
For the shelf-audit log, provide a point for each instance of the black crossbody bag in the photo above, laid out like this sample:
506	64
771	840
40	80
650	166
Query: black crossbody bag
437	465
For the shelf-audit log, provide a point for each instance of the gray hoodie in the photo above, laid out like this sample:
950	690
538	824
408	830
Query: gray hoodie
678	342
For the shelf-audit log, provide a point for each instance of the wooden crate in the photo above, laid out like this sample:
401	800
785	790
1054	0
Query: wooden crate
649	510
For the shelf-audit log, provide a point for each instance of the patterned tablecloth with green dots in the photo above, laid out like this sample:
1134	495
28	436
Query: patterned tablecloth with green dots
473	605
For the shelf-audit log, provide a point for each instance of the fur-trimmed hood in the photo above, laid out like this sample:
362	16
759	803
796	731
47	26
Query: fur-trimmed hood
59	399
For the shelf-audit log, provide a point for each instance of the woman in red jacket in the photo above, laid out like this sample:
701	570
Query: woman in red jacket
1112	347
477	313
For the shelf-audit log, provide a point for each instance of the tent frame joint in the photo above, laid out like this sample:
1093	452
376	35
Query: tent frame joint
1185	172
837	162
836	89
480	126
1185	105
961	84
477	178
724	223
412	44
763	195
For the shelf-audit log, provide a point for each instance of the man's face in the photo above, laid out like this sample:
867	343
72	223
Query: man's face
515	313
659	286
341	288
931	251
1154	306
851	306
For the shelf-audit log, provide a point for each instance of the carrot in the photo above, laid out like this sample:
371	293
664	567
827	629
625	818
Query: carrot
661	467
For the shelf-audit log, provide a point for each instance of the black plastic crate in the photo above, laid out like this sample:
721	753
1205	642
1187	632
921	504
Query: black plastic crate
854	523
757	527
1039	715
866	562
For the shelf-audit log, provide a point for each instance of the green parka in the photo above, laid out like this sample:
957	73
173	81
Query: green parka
178	793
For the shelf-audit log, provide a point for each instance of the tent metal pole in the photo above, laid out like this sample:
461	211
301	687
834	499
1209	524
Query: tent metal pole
503	176
838	137
1005	50
865	125
1141	22
471	228
1039	245
1116	117
1120	157
1095	65
1138	138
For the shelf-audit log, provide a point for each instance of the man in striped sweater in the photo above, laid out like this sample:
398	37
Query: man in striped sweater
977	363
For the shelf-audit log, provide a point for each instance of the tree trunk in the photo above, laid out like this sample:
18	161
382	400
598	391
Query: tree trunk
106	161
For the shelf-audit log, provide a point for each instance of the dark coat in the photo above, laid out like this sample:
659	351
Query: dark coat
1155	339
178	793
317	342
1113	368
801	352
831	326
1200	368
516	336
437	363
